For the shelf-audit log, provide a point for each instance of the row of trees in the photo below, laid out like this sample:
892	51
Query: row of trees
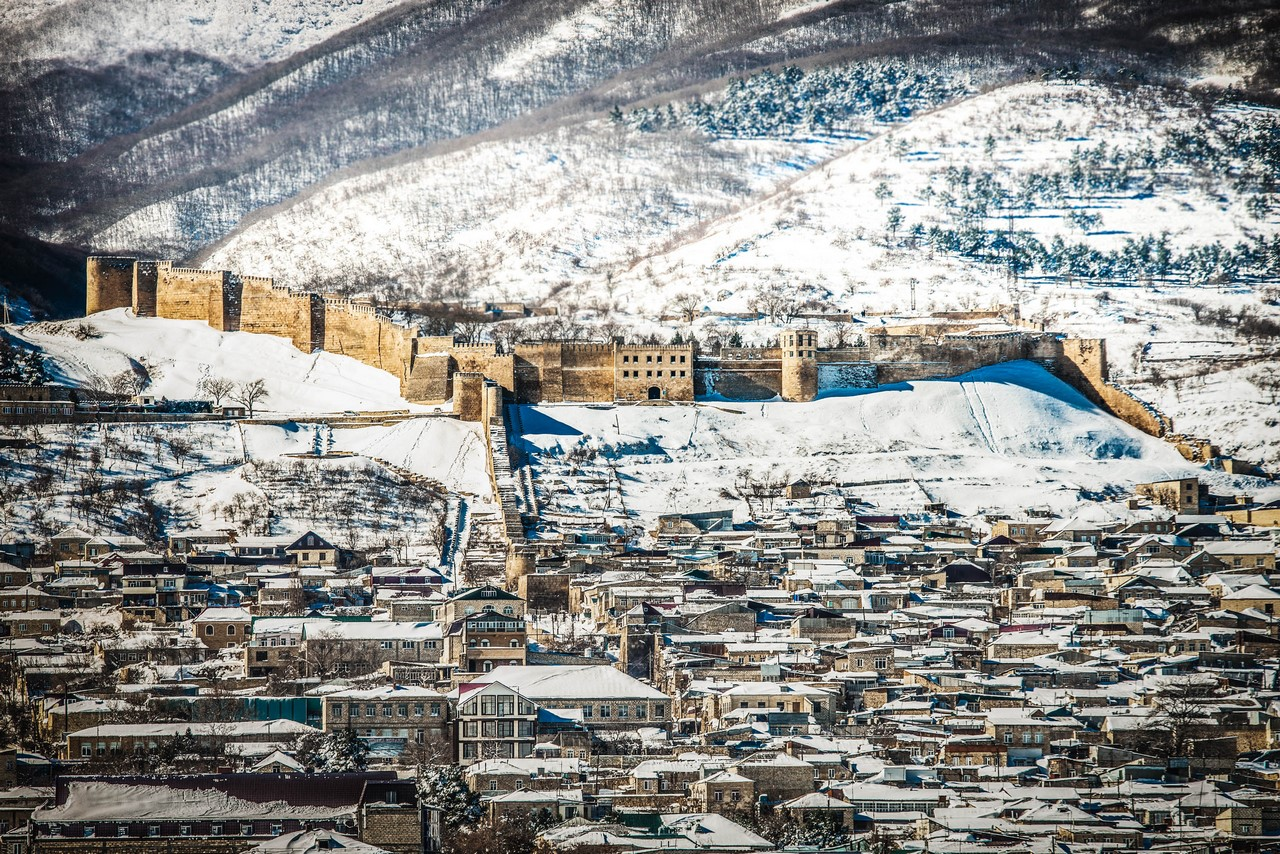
792	101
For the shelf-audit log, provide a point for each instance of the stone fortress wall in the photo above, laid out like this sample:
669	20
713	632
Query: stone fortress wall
578	371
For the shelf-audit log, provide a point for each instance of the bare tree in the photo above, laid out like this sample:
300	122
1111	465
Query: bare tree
250	393
217	388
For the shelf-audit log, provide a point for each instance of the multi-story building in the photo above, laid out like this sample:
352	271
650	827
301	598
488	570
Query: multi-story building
480	642
494	721
393	719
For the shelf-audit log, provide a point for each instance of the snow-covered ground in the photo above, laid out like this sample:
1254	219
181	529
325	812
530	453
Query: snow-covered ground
251	476
177	353
1000	439
257	478
241	33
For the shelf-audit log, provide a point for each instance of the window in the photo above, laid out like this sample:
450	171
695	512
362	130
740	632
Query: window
215	830
122	830
276	829
641	712
719	796
337	709
246	830
407	644
402	710
153	830
231	630
386	710
1008	738
659	710
208	630
735	795
184	830
387	644
435	710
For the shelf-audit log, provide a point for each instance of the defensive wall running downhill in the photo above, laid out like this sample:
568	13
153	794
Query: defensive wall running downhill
435	369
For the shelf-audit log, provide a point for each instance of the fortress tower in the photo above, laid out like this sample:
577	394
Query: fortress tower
799	364
108	283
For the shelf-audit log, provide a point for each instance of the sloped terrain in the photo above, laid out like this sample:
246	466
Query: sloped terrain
174	355
1003	438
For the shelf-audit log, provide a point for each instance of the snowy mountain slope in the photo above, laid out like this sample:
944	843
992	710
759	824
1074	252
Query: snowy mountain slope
121	106
241	33
998	439
1182	248
177	353
520	217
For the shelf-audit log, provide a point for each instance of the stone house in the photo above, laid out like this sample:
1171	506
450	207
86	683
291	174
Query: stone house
607	698
311	549
777	777
26	598
393	718
103	742
1255	597
219	628
482	641
722	791
225	813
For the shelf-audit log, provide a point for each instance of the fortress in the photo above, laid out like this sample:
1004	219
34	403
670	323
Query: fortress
435	369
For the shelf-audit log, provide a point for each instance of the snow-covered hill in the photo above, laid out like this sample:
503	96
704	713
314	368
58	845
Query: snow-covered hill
1000	439
176	354
242	33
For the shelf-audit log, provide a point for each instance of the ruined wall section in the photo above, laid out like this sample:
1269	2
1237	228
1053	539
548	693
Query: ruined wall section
1083	364
108	283
740	373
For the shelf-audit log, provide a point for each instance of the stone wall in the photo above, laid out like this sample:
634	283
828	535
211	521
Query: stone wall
538	373
355	329
740	373
586	371
183	293
1083	364
108	283
144	288
271	310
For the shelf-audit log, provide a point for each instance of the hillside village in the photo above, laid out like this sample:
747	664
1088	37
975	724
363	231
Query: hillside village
580	662
894	679
556	611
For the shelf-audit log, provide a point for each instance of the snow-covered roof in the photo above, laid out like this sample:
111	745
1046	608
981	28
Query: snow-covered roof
584	681
98	800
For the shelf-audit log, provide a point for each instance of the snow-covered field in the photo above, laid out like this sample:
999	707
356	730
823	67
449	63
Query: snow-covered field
1000	439
177	353
151	479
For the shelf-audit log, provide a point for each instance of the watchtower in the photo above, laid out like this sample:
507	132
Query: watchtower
108	283
799	364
